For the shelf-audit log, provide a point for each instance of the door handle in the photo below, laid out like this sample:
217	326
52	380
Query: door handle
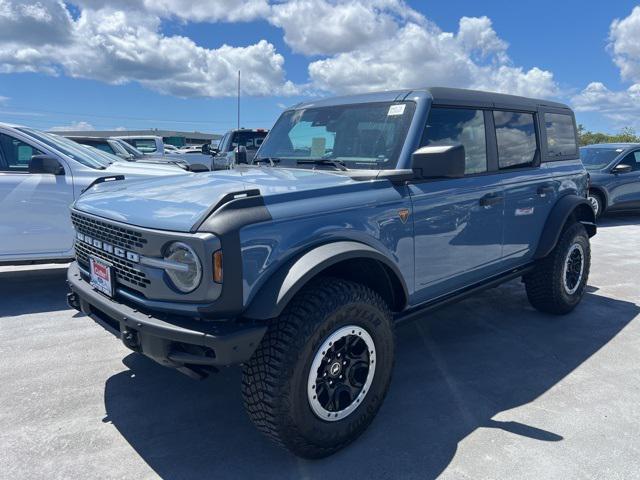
545	190
491	199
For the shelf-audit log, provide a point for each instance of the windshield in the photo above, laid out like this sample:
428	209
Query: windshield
106	156
129	148
596	158
77	152
360	136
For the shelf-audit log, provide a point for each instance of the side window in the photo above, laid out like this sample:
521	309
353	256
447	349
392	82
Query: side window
561	135
633	160
145	145
15	154
516	137
105	147
451	126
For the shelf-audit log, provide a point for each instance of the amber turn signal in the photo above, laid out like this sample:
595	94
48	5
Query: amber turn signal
217	266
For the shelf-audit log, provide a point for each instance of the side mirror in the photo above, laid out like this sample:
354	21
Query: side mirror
621	168
445	161
45	164
206	149
241	154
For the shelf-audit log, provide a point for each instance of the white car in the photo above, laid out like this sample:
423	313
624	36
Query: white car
41	174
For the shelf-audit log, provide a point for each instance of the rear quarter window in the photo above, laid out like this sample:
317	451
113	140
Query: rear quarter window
561	135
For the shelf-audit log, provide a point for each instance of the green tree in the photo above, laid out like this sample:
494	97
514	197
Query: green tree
626	135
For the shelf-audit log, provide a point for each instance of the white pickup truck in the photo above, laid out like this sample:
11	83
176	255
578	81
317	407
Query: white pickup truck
41	174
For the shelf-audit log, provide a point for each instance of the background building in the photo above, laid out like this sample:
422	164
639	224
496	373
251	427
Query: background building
171	137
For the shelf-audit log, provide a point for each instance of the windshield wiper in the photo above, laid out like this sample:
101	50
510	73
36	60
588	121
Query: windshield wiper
272	160
339	164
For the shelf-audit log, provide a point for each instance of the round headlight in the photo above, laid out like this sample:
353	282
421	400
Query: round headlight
187	274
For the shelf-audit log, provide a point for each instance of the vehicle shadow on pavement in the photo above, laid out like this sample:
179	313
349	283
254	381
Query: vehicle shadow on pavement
619	219
456	369
33	291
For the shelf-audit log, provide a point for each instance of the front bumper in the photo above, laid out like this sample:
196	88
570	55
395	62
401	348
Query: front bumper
173	341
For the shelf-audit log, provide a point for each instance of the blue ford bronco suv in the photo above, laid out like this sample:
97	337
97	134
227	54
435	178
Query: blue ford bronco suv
356	213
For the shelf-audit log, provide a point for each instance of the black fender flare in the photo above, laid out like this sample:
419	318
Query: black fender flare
281	286
563	209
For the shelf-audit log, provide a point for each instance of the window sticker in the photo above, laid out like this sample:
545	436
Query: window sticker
396	110
318	145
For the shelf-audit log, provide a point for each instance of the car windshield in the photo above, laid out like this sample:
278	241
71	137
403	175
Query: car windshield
77	152
596	158
106	156
130	148
360	136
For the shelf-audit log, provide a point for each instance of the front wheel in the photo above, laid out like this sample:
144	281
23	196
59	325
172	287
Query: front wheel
322	370
557	283
596	203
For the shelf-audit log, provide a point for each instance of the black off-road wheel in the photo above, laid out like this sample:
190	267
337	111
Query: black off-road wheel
557	283
320	374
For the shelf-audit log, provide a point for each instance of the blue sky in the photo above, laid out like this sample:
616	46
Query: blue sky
65	65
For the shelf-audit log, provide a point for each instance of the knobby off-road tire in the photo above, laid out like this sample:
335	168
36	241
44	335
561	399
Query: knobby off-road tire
308	341
557	283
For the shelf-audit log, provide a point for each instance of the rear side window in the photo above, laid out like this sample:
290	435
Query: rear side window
145	145
561	135
453	126
516	137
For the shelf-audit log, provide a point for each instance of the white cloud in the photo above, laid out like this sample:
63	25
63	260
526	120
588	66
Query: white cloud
621	107
74	127
625	46
3	100
362	45
326	27
420	54
119	46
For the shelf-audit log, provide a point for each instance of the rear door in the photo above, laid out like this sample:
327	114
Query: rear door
530	190
458	222
34	208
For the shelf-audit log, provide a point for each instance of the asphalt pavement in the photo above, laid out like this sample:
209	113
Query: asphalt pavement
487	388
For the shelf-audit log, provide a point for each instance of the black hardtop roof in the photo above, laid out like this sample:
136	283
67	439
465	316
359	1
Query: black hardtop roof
439	96
461	96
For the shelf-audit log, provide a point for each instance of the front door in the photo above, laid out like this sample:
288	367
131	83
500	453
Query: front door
624	191
34	208
458	223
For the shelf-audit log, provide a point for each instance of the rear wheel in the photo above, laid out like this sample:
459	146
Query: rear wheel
322	370
557	283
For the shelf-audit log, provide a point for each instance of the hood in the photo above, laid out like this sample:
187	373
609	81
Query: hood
135	169
176	203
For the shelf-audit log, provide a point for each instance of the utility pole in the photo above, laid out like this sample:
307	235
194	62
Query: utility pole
238	99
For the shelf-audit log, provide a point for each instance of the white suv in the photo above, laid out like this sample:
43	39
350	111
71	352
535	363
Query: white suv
41	174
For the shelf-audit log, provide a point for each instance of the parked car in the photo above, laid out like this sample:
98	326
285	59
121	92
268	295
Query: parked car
122	149
169	148
247	139
41	174
356	212
614	169
190	149
147	144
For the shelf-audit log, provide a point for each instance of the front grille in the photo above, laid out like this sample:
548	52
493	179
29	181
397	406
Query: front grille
107	232
125	271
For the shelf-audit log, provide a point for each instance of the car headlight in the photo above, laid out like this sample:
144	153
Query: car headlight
187	274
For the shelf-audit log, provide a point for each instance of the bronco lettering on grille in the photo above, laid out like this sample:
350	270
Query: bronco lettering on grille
107	247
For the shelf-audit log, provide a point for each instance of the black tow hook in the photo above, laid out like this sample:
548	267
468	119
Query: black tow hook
73	301
130	339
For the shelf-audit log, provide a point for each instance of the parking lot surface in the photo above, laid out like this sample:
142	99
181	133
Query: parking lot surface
486	388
